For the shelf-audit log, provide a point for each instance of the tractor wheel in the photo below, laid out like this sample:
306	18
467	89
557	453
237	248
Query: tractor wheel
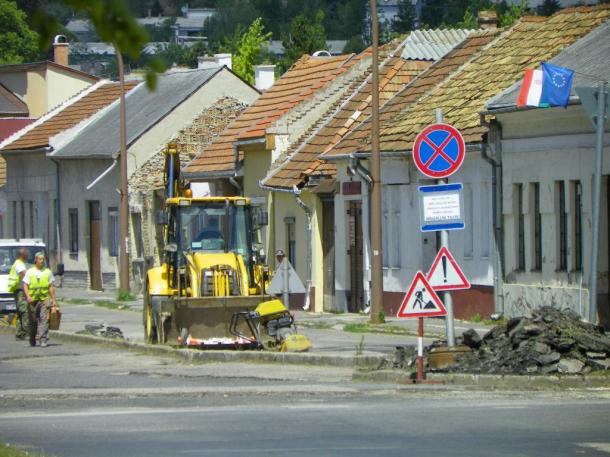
149	321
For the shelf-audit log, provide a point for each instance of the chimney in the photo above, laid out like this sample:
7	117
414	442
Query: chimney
488	19
60	50
264	76
224	59
206	62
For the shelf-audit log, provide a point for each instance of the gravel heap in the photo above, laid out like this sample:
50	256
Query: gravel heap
551	341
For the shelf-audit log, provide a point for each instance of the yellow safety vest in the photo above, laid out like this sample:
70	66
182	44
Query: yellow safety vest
39	288
14	281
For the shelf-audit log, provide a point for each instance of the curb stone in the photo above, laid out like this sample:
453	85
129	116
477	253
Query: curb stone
211	356
489	380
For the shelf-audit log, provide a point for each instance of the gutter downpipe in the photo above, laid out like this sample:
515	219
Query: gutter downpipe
308	215
356	168
57	210
494	141
232	179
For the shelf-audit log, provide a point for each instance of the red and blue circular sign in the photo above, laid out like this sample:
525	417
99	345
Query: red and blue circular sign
439	150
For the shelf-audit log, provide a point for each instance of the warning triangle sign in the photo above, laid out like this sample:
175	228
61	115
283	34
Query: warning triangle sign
421	300
445	274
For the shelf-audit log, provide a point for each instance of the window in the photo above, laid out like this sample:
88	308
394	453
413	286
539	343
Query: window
537	222
577	218
520	228
22	219
391	226
485	197
113	232
136	221
291	240
73	227
468	219
562	224
14	231
32	219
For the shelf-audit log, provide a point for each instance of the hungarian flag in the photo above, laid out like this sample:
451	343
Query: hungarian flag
549	86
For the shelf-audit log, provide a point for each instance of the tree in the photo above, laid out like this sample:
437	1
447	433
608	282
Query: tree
306	36
514	13
249	50
18	40
548	7
113	24
407	16
354	45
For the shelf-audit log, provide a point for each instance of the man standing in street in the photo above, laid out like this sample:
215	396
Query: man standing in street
38	287
15	277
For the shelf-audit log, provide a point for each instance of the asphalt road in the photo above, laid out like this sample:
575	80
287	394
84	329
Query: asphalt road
80	400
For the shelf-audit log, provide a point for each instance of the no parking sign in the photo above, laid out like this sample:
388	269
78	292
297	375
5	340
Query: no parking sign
439	150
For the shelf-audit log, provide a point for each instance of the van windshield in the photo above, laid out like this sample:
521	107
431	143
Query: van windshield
8	255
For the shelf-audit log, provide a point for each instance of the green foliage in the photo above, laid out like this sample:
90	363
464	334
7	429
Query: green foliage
306	36
407	16
469	21
381	317
12	451
548	7
125	296
514	13
163	32
113	24
182	56
360	346
249	50
18	40
354	45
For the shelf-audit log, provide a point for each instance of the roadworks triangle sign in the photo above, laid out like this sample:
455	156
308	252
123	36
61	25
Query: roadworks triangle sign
445	274
421	300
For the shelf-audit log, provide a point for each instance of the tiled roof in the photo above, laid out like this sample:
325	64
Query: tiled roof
208	125
67	116
590	56
308	75
43	65
144	109
462	94
432	44
395	72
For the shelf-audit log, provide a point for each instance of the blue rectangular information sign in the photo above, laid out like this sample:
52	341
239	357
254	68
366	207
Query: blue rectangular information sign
441	207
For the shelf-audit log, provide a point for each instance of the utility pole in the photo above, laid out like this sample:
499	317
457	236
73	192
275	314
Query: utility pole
375	199
124	199
447	300
599	146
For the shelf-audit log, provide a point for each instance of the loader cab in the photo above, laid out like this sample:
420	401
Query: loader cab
210	225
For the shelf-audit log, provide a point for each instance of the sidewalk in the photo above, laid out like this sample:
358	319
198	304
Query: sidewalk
324	329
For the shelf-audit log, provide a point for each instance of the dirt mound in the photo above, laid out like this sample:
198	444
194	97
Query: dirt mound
551	341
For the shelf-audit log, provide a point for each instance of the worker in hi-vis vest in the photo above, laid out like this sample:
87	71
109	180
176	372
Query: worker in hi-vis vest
15	277
39	290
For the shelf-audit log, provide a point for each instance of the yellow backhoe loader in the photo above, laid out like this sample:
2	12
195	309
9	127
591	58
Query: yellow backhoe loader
209	291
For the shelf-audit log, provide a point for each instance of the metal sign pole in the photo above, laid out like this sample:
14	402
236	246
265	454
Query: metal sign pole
420	350
600	121
447	300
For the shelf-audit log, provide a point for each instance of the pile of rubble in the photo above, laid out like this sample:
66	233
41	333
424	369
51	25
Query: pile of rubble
550	341
102	330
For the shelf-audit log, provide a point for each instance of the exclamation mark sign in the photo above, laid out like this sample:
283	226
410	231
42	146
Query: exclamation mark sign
444	260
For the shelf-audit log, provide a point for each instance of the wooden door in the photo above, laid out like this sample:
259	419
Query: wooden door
95	237
356	265
328	251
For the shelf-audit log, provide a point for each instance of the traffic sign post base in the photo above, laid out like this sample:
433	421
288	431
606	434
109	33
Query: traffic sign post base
420	351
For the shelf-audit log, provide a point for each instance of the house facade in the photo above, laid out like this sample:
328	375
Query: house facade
89	174
459	85
546	158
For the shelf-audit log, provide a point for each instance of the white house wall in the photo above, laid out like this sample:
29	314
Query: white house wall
548	146
405	248
75	176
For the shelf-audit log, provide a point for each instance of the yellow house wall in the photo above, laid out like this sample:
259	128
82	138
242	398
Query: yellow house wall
36	93
256	164
61	85
285	205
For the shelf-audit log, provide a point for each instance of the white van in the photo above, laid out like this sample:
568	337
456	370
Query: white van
8	254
